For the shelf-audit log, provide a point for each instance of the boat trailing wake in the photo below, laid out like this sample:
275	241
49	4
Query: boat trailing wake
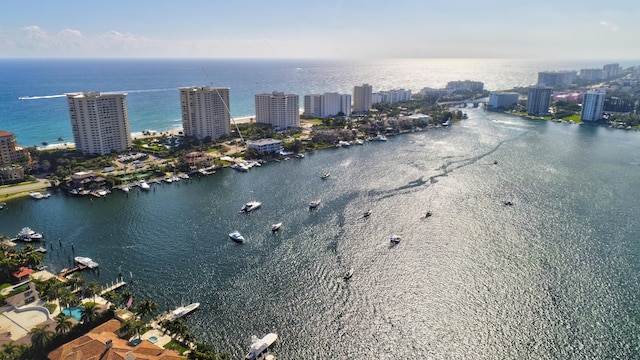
104	92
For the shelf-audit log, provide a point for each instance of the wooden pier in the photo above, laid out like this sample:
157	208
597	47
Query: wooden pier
68	272
112	287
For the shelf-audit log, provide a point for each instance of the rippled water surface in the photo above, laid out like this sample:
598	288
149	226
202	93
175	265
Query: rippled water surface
553	276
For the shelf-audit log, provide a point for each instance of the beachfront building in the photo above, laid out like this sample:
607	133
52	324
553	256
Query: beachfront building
591	74
205	111
329	104
556	78
10	152
362	96
503	100
266	146
592	105
611	70
466	85
427	91
391	96
100	122
538	100
278	109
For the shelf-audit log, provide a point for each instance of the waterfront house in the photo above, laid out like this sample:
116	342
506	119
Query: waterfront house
103	343
265	146
23	274
85	180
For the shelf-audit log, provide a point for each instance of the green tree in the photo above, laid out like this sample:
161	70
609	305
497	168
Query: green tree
145	307
63	323
91	289
40	336
89	312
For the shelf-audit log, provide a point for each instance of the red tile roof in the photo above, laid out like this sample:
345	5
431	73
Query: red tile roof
22	272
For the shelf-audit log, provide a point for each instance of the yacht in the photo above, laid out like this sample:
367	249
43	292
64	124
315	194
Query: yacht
86	262
144	185
395	239
314	204
260	346
276	227
250	206
28	235
183	310
325	175
380	137
235	236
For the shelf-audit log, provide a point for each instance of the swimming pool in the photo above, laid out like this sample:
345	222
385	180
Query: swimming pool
153	339
74	312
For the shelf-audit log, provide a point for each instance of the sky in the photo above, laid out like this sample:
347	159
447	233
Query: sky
534	29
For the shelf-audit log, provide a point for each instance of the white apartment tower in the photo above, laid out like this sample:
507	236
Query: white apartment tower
329	104
592	105
278	109
100	122
538	100
362	96
205	111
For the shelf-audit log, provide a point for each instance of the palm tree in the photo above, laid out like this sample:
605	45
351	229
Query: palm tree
89	312
76	281
91	289
11	351
145	307
63	323
40	336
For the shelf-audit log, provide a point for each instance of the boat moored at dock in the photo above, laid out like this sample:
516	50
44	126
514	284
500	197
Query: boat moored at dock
183	311
28	235
86	262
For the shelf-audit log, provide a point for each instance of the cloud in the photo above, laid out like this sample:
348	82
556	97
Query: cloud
609	26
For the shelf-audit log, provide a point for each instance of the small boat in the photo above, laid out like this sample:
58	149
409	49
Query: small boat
86	262
250	206
260	346
276	227
102	192
367	213
325	175
235	236
144	185
125	189
348	274
183	310
395	239
36	195
314	204
380	137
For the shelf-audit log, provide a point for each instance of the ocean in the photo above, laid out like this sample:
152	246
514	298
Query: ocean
34	108
554	276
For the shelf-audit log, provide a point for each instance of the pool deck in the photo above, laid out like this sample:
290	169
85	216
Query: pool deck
16	324
162	338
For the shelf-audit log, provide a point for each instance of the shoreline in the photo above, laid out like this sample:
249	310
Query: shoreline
139	135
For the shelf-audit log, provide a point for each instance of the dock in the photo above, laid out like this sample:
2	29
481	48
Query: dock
113	286
68	272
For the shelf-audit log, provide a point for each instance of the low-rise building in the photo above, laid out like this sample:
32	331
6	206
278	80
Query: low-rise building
503	100
266	146
11	173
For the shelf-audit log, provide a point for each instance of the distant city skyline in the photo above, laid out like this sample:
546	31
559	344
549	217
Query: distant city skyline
331	29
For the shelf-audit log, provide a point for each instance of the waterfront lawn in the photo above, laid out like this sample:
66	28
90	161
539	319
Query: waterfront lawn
172	345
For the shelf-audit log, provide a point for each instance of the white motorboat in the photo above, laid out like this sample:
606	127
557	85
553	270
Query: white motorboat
28	235
325	175
86	262
395	239
183	310
348	274
260	346
236	236
250	206
276	227
144	185
125	189
36	195
380	137
314	204
367	213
